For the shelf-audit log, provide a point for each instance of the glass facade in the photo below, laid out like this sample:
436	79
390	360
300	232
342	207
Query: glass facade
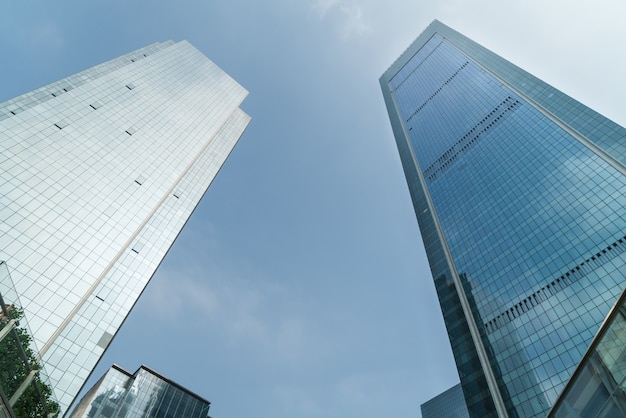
449	404
519	191
24	387
144	394
98	174
598	386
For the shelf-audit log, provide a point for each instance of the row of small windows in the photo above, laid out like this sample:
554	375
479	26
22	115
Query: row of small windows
137	58
29	100
432	96
33	99
555	286
41	96
95	106
441	164
63	90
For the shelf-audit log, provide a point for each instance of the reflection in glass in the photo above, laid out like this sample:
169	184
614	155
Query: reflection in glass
143	394
24	390
523	218
596	388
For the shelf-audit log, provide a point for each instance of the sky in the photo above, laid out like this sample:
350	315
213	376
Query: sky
300	287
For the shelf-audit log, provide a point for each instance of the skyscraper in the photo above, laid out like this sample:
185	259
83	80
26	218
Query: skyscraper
143	394
98	174
519	192
449	404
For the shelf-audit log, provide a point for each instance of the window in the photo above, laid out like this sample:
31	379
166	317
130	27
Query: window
137	247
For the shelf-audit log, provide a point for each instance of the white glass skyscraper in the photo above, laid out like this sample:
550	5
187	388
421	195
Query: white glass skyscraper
520	195
98	174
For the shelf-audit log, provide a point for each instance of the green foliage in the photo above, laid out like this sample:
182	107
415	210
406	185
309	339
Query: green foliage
13	371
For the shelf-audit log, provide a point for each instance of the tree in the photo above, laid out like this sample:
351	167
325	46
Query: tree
37	400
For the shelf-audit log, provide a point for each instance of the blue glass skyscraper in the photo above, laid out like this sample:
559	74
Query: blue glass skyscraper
520	194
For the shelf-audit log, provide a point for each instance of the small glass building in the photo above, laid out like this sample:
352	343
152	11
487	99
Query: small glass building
449	404
143	394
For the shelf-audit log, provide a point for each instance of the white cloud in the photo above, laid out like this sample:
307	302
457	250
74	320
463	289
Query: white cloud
323	6
353	22
349	15
256	315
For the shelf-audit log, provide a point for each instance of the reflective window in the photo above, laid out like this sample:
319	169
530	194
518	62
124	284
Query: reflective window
144	394
534	220
70	208
597	387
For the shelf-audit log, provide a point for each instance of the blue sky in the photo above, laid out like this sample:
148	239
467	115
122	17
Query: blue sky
299	288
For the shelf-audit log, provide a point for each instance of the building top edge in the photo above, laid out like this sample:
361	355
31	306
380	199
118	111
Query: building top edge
90	72
162	377
434	27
